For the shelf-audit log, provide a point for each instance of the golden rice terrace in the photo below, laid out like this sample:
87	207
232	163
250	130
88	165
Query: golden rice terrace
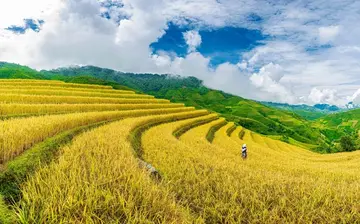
74	153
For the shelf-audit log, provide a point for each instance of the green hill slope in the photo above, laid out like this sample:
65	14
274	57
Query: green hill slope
335	126
305	111
247	113
280	124
14	71
346	121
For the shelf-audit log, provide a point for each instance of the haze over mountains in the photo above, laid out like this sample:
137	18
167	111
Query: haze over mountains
179	111
297	124
278	51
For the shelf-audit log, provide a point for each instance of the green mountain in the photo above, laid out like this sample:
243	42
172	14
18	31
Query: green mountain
340	124
252	115
14	71
306	111
292	125
346	121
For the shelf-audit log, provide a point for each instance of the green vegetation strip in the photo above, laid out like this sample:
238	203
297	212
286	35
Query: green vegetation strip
230	130
182	130
6	216
241	134
15	172
136	133
211	133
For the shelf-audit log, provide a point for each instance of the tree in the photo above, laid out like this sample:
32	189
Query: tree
347	143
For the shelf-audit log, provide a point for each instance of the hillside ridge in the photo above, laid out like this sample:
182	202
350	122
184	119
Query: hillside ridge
291	126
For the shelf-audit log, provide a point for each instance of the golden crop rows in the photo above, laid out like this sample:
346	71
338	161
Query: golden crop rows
97	177
61	88
52	92
101	165
214	182
39	99
52	83
20	109
29	81
18	135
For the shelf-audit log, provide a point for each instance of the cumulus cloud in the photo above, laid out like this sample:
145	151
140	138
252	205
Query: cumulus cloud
268	80
355	98
192	39
291	66
329	96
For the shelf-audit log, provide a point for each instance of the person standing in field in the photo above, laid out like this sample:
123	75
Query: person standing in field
244	151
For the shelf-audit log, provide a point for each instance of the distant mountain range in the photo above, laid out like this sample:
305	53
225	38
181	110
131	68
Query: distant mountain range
351	105
312	112
303	125
306	111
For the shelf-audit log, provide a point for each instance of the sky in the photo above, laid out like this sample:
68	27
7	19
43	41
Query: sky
270	50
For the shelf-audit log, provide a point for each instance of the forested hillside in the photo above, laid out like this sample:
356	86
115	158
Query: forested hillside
80	153
306	111
290	126
281	124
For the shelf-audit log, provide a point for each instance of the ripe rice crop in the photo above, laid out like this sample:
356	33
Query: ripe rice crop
52	83
51	92
98	178
39	99
18	135
101	165
194	123
21	109
28	81
64	88
216	184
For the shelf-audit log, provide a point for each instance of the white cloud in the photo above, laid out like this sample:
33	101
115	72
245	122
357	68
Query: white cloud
14	11
287	67
355	98
192	39
268	80
328	34
242	65
325	96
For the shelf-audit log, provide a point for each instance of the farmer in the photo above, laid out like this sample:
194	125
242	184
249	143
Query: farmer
244	151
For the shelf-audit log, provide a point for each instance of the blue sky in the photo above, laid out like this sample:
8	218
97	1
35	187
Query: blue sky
221	45
34	25
285	51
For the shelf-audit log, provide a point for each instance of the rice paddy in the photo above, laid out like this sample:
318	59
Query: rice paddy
74	153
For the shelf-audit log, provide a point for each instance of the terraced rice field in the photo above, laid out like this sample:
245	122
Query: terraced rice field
72	153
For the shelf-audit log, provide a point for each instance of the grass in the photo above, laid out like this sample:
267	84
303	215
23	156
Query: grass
241	134
35	83
190	91
6	215
29	87
45	99
62	92
20	134
136	133
100	172
231	129
277	183
16	110
98	180
15	172
211	133
200	121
